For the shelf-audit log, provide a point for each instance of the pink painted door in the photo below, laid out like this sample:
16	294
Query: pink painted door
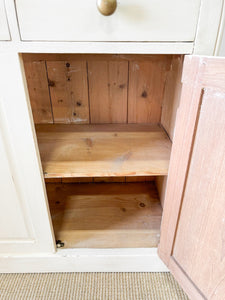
193	225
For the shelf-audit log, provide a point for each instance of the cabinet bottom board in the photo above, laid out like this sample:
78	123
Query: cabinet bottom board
105	215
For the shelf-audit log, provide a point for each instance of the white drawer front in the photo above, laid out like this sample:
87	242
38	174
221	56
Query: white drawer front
4	30
133	20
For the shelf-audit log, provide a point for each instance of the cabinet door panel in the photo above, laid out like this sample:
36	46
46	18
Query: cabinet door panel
193	227
4	30
10	212
25	225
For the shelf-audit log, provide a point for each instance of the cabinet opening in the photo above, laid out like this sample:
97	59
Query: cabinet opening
104	126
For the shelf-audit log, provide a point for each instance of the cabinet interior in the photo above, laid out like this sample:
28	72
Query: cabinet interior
104	126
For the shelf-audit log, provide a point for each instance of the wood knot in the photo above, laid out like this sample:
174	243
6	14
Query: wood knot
89	142
51	83
144	94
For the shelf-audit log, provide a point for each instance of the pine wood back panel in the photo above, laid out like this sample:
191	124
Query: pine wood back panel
108	84
68	91
37	81
146	88
82	89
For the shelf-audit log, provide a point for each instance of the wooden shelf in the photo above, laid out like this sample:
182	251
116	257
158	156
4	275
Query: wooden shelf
103	150
105	215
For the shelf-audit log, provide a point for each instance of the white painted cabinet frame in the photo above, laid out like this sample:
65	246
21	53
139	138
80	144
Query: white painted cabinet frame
26	236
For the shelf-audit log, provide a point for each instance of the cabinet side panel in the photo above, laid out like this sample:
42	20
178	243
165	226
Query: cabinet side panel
170	104
161	182
171	98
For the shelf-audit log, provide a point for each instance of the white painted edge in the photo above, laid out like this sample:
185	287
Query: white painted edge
208	27
85	260
98	47
221	33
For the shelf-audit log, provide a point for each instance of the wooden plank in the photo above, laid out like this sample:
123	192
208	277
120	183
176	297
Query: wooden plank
161	182
171	99
101	179
109	179
171	102
139	178
77	180
105	215
108	91
69	91
53	180
37	84
103	150
146	86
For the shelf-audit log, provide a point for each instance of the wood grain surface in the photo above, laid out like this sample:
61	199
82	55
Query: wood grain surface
105	215
103	150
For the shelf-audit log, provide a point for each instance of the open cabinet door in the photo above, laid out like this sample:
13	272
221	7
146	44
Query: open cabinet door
193	226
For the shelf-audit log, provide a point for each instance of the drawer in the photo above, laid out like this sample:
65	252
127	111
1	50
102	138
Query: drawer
4	30
133	20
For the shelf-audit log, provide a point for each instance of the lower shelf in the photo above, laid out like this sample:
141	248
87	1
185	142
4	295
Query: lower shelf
103	150
105	215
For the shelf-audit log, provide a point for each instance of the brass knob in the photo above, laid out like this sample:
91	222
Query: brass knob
106	7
